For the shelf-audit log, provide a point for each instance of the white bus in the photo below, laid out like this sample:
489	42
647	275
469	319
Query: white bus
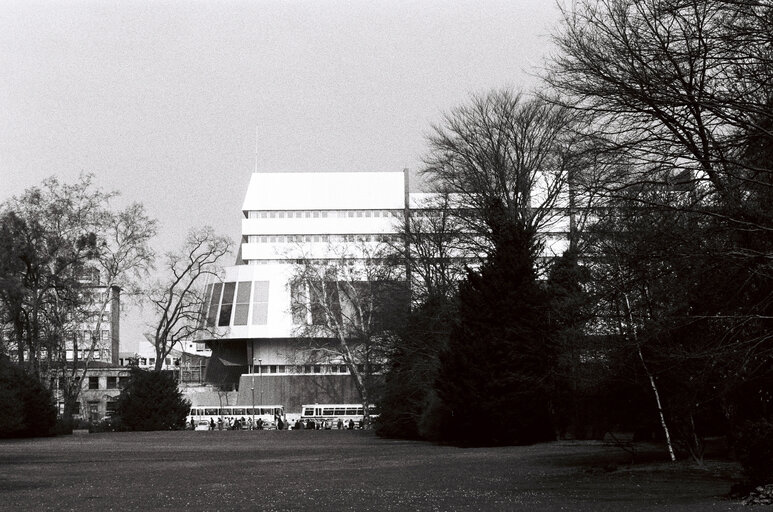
327	415
203	415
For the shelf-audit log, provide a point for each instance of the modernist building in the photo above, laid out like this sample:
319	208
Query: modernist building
287	217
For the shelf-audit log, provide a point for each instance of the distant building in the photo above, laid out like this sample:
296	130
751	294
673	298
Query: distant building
189	364
99	391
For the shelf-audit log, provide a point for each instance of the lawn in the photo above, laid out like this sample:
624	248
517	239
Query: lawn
341	471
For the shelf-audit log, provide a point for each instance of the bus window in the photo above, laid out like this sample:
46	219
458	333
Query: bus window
328	412
308	412
211	412
227	411
340	412
351	412
238	411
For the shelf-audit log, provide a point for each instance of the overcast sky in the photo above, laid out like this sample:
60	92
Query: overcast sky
161	100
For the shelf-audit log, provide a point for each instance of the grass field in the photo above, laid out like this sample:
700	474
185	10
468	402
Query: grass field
340	471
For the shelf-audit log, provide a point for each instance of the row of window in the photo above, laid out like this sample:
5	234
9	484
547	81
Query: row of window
232	303
110	408
94	382
272	239
320	214
83	354
148	361
285	261
310	368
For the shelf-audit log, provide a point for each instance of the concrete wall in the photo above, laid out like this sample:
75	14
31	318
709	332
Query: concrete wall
293	391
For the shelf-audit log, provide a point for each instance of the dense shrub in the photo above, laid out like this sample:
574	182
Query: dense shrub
152	401
28	407
754	449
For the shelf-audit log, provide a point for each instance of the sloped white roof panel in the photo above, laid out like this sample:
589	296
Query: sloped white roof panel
325	191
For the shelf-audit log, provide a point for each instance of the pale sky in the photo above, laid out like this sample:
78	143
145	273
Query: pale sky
161	100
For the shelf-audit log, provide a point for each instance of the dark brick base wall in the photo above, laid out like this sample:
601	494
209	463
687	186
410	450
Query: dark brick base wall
293	391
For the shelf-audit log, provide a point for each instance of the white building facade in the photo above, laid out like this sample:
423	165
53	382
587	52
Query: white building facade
286	217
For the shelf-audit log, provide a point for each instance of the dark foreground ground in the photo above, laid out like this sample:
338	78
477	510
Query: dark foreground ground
340	471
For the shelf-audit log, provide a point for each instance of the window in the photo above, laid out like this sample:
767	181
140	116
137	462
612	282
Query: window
260	303
143	361
168	361
111	407
152	361
201	347
227	306
317	369
105	335
93	382
214	303
77	408
243	292
112	383
280	368
272	368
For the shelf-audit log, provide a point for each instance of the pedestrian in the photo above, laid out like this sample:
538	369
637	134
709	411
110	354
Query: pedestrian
351	424
340	424
193	424
220	423
211	423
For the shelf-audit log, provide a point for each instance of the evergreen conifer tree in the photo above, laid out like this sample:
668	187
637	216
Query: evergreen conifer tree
152	401
492	379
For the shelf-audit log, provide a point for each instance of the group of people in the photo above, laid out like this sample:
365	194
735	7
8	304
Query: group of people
311	424
231	423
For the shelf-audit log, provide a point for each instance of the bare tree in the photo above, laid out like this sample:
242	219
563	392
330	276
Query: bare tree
123	257
67	250
431	248
178	298
346	308
680	88
504	149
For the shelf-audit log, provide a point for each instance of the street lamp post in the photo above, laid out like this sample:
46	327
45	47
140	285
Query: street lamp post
252	389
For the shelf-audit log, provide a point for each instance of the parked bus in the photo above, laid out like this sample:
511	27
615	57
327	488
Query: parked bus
202	415
327	415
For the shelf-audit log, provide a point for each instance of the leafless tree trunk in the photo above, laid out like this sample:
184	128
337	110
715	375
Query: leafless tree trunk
177	300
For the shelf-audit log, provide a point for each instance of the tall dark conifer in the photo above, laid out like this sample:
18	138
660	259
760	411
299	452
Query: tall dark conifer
493	376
